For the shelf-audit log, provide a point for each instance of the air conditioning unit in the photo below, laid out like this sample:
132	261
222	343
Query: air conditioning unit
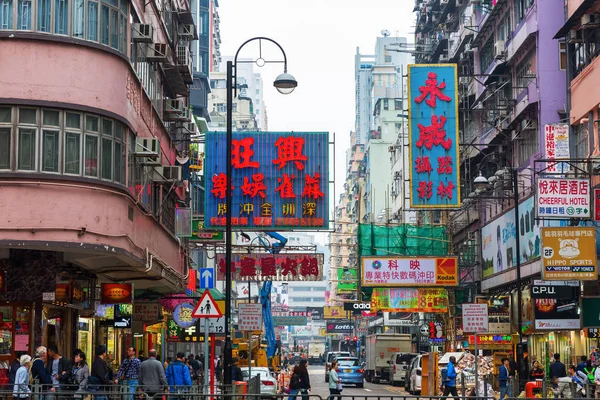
471	235
184	116
147	147
173	106
499	49
157	52
575	36
391	149
590	21
467	47
142	33
167	174
186	31
184	63
190	127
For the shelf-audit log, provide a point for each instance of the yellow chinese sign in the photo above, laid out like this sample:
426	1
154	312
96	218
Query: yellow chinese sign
434	300
569	253
334	312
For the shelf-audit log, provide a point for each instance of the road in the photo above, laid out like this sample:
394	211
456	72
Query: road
321	388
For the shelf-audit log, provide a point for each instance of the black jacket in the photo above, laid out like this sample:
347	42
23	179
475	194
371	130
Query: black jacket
304	381
64	365
16	364
100	370
557	369
39	372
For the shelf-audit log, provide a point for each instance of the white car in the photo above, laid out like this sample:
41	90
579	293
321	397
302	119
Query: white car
413	386
268	383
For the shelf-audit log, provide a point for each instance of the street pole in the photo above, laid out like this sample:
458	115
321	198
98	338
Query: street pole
206	356
476	364
515	177
228	347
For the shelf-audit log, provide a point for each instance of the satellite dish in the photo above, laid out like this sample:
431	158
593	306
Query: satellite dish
385	33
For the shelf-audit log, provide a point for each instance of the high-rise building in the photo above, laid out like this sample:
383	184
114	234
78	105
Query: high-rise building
206	50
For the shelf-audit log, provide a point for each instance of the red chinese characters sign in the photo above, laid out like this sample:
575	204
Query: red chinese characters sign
279	180
433	122
273	267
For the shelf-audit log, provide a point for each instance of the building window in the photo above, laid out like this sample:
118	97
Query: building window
107	143
385	104
521	7
61	17
486	55
78	10
50	149
44	12
525	72
27	145
527	144
24	15
92	28
6	14
504	29
72	153
397	104
5	135
580	132
562	49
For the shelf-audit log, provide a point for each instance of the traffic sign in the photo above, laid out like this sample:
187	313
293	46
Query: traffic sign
207	278
207	307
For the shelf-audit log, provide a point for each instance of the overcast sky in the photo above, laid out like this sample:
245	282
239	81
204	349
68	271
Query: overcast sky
320	39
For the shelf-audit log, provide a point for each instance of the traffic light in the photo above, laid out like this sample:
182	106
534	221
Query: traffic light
347	338
355	338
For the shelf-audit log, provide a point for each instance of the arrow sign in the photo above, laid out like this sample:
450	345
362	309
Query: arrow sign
207	278
207	307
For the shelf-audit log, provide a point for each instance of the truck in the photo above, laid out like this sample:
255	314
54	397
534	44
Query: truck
379	350
315	352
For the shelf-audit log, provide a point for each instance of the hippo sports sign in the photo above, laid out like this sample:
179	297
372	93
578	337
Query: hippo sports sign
569	253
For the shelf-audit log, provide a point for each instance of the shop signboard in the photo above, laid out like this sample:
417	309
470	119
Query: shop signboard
347	280
250	317
432	300
341	326
592	333
334	312
182	315
569	253
475	317
316	313
433	134
116	293
486	339
398	319
289	320
563	198
557	147
554	312
146	312
498	314
409	271
597	205
195	332
282	267
280	180
199	234
590	312
499	239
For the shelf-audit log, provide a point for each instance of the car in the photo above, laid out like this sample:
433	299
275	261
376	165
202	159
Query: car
268	383
399	364
332	355
413	375
350	371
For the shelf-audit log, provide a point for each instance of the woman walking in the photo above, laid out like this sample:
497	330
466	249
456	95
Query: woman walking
81	373
304	386
335	383
21	388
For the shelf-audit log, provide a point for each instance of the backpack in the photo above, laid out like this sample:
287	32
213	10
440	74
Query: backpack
295	382
444	372
31	377
590	374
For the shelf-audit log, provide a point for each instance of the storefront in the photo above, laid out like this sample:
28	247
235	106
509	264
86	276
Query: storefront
16	334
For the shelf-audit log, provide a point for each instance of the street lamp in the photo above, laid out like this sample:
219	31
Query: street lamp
285	84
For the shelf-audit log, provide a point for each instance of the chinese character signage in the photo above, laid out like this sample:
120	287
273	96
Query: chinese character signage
409	271
499	239
195	332
475	317
201	235
490	339
347	282
280	180
115	293
334	312
562	198
597	205
569	253
552	313
250	317
557	146
284	267
434	300
146	312
183	315
289	320
498	314
433	133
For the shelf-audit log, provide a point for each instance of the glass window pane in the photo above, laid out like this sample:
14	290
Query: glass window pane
123	6
5	114
43	13
73	120
122	35
91	155
26	149
104	25
72	152
91	123
114	29
107	158
50	151
4	148
92	21
51	118
24	15
123	164
107	127
78	18
118	131
6	14
118	160
61	17
27	116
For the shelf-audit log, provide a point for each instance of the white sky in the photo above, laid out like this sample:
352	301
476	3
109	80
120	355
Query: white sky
320	39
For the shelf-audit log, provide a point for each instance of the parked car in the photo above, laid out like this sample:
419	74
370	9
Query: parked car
332	355
413	375
399	364
268	383
350	371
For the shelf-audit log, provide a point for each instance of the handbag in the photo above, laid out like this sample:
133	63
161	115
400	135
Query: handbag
340	387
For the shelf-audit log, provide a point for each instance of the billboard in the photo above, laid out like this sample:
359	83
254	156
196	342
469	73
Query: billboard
347	280
498	313
433	136
115	293
334	312
280	180
499	239
557	146
343	326
569	253
289	320
557	310
563	198
201	235
282	267
434	300
409	271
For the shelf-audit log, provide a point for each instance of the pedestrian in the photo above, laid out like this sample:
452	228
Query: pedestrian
335	383
557	369
141	357
14	367
579	380
99	379
152	378
60	368
129	372
286	363
81	373
537	371
196	368
167	362
595	356
178	375
236	371
304	386
38	369
219	368
581	366
503	377
21	384
450	387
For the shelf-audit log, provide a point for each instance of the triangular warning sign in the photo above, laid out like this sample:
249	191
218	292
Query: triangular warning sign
207	307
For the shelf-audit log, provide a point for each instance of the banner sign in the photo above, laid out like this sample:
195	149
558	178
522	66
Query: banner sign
433	300
280	180
398	319
334	312
195	332
475	317
306	314
433	136
182	315
569	253
498	314
490	339
289	320
116	293
557	146
409	271
347	280
561	198
360	307
597	205
250	317
282	267
201	235
343	326
316	313
499	239
146	312
553	313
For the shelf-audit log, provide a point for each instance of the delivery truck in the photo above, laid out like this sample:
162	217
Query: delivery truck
379	350
315	353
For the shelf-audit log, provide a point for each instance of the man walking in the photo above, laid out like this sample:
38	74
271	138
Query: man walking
152	378
129	371
503	378
178	375
59	368
557	369
38	371
197	368
450	387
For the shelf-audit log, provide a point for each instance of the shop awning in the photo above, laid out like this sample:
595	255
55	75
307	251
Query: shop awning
575	18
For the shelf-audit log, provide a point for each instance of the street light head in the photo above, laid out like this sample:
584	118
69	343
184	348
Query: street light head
285	83
481	182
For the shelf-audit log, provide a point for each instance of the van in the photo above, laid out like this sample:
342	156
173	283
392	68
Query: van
332	355
413	376
399	364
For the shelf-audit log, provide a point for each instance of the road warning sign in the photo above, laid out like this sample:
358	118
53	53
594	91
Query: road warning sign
207	307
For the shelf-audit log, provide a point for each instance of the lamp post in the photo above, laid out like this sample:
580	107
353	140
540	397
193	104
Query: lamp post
285	84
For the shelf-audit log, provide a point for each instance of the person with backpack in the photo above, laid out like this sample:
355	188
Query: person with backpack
38	371
335	383
304	380
178	375
21	388
450	384
590	372
503	378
